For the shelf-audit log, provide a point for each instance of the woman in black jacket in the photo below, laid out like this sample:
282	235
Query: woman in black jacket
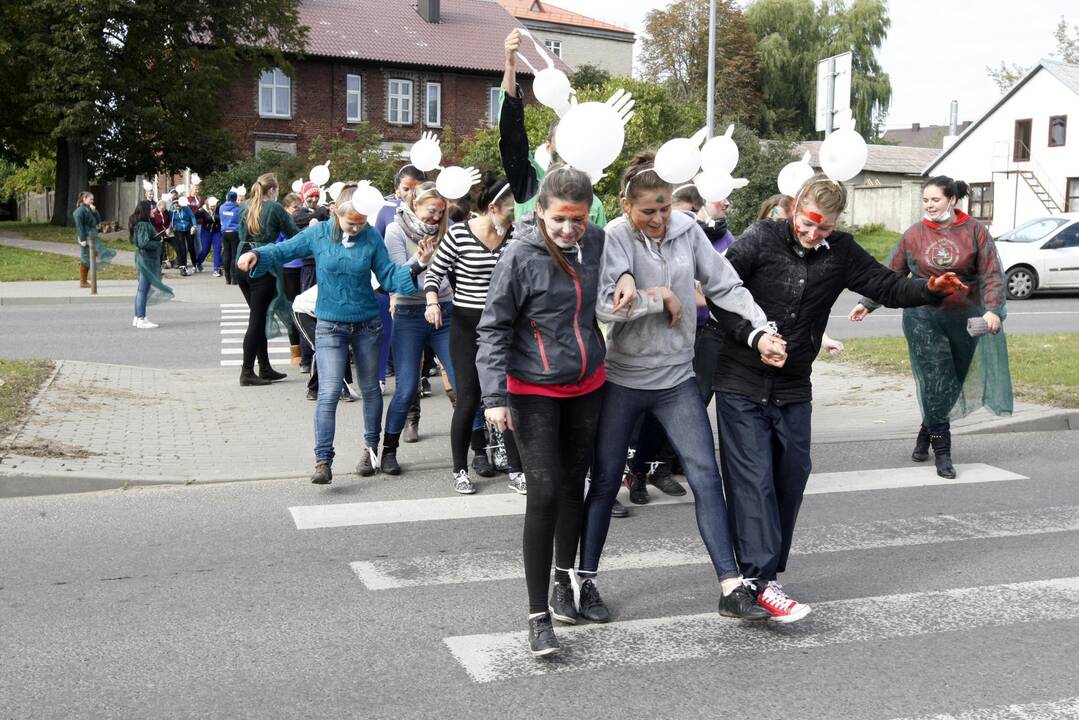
541	370
795	270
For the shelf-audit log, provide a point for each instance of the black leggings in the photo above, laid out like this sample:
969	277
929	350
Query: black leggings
259	293
231	242
292	289
555	437
463	339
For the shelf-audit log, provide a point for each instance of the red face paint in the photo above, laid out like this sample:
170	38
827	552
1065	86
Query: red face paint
815	217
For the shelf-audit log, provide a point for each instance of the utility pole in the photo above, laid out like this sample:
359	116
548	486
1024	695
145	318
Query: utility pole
712	70
831	97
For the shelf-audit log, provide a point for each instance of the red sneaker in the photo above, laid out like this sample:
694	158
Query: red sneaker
783	608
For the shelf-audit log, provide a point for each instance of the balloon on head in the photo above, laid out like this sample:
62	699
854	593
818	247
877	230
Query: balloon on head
590	136
551	87
454	182
182	201
333	190
678	160
720	153
714	185
320	174
367	199
426	153
843	153
297	185
195	179
794	175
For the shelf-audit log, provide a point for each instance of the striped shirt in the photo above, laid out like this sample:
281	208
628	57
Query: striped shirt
471	263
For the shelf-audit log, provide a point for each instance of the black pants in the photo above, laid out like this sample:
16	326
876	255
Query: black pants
556	437
292	289
766	463
463	339
305	325
307	281
191	253
230	241
652	443
259	293
179	244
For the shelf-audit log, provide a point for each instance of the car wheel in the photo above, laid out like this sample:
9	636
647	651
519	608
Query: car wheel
1021	282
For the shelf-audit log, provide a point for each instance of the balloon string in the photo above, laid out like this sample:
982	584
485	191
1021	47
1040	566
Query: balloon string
526	62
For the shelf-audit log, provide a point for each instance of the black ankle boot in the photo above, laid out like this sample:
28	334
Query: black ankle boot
268	373
390	442
942	451
248	377
921	446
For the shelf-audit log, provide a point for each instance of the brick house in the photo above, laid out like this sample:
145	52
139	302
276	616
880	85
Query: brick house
403	67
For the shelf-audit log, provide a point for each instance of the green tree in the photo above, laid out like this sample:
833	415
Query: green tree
37	174
675	53
1067	50
794	35
117	88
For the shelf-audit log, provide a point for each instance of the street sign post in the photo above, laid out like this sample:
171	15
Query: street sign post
833	90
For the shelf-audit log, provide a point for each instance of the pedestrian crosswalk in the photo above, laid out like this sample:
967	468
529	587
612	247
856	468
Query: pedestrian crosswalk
233	326
486	652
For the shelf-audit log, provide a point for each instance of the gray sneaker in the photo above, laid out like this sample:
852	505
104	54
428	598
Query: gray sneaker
368	463
462	483
517	483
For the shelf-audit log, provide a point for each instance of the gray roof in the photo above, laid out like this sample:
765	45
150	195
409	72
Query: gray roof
899	159
1067	74
925	136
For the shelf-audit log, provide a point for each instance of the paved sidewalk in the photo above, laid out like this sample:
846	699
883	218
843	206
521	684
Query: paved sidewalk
98	426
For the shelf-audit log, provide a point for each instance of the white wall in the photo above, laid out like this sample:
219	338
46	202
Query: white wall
614	56
985	155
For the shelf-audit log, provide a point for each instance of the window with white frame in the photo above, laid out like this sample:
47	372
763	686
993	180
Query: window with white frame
493	109
275	94
434	104
555	46
399	102
353	99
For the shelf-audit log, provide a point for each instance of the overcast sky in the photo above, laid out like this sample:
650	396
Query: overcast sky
936	51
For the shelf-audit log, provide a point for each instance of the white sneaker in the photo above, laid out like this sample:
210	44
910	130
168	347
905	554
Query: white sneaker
134	322
517	483
783	607
144	324
462	483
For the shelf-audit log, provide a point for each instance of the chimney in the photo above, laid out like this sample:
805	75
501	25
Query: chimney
915	126
428	10
953	119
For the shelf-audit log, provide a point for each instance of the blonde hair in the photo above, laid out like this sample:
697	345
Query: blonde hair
259	188
827	194
428	191
82	196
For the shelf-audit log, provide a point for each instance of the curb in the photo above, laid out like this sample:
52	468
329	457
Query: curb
9	439
14	484
1052	421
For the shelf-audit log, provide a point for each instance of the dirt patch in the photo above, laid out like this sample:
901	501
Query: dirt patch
40	448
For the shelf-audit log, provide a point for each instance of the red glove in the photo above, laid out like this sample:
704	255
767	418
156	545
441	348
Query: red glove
946	284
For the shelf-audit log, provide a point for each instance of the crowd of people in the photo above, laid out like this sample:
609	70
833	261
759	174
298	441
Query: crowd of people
587	351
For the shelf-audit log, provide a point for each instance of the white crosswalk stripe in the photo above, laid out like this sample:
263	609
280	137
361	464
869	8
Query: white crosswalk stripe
233	326
1066	709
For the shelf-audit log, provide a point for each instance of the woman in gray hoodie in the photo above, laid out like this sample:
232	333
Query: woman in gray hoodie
650	366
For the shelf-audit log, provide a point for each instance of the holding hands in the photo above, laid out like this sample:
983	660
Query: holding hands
773	350
625	293
946	284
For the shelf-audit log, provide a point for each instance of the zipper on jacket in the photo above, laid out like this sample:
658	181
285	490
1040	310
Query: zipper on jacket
542	350
577	329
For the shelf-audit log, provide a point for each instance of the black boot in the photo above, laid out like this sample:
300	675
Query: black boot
390	442
942	451
268	373
480	463
248	377
921	446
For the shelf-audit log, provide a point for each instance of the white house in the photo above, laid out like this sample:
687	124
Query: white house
1021	159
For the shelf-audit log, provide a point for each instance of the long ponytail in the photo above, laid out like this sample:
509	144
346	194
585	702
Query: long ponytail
260	187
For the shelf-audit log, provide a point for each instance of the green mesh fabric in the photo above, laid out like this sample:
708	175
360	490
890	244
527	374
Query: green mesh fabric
105	254
148	263
279	315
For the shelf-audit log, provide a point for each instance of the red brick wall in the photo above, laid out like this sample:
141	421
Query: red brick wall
319	97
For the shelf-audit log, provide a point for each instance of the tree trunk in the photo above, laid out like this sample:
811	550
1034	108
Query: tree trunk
72	177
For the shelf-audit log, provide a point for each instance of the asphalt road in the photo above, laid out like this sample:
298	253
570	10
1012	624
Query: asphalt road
208	601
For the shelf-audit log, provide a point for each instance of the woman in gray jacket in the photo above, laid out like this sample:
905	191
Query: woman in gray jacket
650	366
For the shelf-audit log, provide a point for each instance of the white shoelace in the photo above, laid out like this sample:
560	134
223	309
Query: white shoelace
776	597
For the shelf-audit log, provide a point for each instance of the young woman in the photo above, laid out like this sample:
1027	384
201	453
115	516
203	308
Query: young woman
540	363
470	251
262	221
209	235
346	250
764	410
956	371
148	263
650	369
87	220
420	218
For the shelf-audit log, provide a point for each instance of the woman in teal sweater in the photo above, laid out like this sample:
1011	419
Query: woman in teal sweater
346	251
87	219
262	221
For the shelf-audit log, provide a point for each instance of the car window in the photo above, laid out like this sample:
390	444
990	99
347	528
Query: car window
1068	237
1034	230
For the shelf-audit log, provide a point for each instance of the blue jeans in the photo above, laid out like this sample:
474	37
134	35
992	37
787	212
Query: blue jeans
681	412
332	342
387	323
209	241
411	332
140	296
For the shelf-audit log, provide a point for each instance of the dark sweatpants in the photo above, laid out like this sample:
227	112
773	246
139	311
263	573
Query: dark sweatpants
765	462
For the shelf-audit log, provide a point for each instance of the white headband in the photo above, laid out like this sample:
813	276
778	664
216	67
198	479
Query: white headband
638	174
500	193
423	194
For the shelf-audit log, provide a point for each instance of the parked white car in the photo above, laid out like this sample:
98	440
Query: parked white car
1042	254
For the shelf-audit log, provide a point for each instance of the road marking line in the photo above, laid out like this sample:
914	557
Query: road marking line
1051	710
429	570
231	323
501	656
271	349
234	331
272	341
232	363
233	305
499	504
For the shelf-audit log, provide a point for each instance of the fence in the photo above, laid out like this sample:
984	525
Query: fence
897	206
115	200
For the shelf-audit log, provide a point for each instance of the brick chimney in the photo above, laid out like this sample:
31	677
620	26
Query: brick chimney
428	10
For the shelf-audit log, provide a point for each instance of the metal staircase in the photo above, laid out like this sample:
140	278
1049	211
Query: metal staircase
1040	192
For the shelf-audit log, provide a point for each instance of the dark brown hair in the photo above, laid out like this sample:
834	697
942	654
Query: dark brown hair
640	175
570	185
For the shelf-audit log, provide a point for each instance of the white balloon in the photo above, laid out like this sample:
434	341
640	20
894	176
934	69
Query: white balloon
590	136
181	189
719	154
793	176
211	200
678	160
146	185
542	157
426	154
241	191
297	185
843	154
551	87
334	189
182	201
367	200
714	185
453	182
195	179
320	175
